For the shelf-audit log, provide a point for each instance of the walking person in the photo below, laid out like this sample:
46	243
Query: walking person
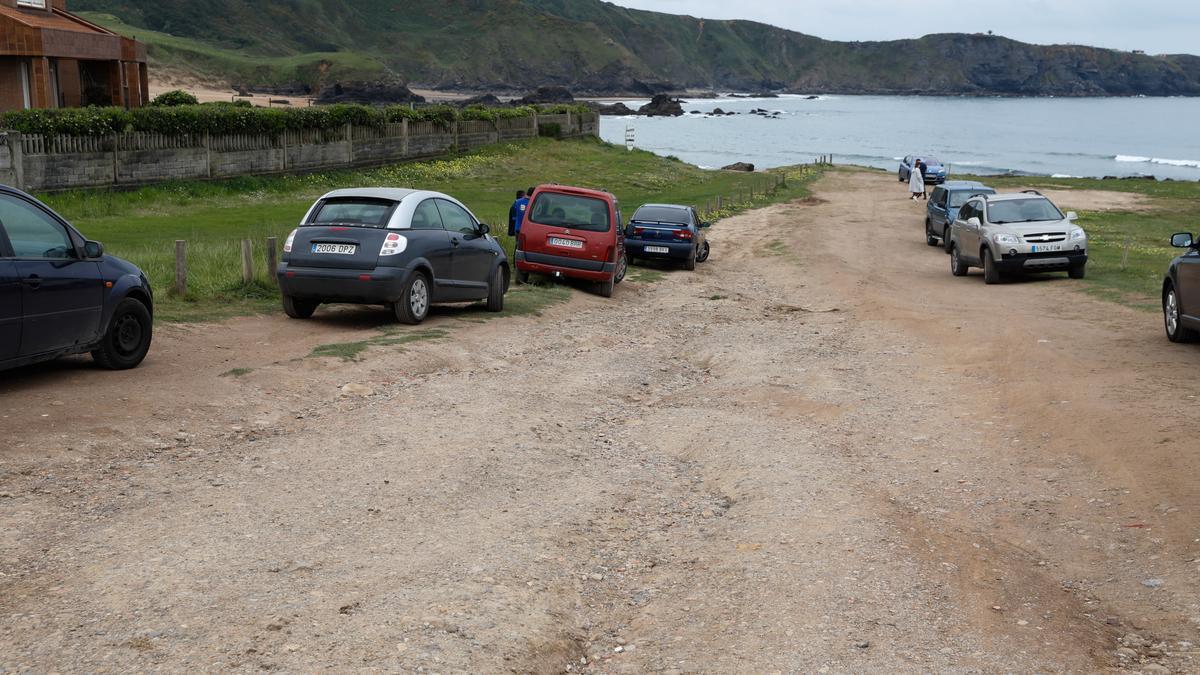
514	214
916	180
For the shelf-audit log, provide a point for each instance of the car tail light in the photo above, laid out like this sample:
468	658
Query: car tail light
393	244
683	234
638	231
287	245
610	254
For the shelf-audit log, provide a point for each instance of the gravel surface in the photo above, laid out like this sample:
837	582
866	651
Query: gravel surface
818	453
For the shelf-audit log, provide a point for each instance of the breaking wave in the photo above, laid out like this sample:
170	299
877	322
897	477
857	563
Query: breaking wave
1136	159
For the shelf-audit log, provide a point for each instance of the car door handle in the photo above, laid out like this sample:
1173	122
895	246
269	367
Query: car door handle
33	281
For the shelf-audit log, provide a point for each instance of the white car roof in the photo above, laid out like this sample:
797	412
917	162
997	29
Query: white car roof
402	217
394	194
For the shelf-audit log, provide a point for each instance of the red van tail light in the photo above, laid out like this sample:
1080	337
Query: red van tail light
610	254
683	234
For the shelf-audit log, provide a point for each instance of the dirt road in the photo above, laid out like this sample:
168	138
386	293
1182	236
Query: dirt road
818	453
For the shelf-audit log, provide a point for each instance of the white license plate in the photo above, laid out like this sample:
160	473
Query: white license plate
568	243
657	249
338	249
1047	248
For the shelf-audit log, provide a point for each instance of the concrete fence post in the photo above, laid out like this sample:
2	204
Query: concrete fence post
208	152
116	168
247	261
16	146
272	257
349	144
180	267
405	146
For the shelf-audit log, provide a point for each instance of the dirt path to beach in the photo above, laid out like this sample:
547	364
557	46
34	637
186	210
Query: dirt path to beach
819	453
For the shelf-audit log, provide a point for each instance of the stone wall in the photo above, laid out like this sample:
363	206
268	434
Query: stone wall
37	163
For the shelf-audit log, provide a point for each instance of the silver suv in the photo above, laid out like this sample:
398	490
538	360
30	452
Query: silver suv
1016	233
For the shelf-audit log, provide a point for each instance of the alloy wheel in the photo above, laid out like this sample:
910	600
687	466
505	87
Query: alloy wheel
418	297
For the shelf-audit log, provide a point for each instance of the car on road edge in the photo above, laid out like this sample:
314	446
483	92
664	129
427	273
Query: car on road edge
1181	291
1016	233
667	232
941	209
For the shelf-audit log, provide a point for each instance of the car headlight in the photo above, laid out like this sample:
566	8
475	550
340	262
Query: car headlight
1005	239
1078	233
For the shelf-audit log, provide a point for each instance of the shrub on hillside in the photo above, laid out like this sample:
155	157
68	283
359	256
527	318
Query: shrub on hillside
173	98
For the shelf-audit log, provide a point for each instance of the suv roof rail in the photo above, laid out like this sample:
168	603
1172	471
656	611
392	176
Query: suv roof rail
984	195
1031	192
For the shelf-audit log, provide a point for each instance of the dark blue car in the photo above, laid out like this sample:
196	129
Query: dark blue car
60	294
667	232
935	172
943	207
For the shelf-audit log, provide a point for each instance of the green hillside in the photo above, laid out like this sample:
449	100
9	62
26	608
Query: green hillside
598	47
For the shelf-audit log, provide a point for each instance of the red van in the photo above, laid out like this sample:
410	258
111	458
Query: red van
573	232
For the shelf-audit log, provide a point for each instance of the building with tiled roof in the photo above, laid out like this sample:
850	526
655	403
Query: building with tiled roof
50	58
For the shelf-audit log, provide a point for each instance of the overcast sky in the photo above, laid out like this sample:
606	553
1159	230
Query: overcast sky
1157	26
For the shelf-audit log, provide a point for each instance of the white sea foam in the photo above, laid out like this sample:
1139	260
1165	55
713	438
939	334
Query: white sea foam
1137	159
1063	175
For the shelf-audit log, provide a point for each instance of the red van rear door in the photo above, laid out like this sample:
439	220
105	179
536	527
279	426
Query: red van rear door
570	225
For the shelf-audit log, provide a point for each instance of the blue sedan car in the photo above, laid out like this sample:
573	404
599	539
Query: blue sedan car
60	294
943	207
667	232
935	172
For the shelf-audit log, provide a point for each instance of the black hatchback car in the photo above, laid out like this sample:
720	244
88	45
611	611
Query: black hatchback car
1181	291
405	249
60	294
667	232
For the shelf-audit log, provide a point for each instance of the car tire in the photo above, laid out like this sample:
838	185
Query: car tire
1176	331
522	277
690	263
622	270
128	337
1077	271
605	288
991	273
413	305
299	309
495	298
900	175
946	239
957	267
703	257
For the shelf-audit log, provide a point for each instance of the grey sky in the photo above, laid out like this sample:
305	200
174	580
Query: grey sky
1157	26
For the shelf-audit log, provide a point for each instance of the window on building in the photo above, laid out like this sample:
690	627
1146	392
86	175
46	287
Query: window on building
25	90
40	4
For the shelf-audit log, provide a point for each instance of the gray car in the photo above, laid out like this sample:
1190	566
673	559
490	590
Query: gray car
1016	233
405	249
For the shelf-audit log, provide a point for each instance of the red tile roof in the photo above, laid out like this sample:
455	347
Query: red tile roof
56	20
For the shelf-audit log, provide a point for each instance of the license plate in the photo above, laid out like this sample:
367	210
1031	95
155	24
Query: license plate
657	249
1047	248
568	243
338	249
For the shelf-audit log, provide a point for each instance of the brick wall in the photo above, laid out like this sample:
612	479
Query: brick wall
39	163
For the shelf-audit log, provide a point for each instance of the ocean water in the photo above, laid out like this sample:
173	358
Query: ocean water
1089	137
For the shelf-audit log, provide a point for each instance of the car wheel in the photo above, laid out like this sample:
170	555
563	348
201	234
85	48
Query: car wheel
703	253
495	299
1077	271
991	273
605	288
622	270
128	337
299	309
1176	332
413	305
690	263
930	237
900	175
946	239
522	277
957	268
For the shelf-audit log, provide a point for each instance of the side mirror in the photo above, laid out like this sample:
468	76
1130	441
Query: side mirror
93	249
1072	216
484	228
1182	240
973	222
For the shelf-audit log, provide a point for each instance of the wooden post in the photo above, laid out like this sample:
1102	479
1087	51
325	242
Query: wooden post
247	261
272	257
718	202
180	267
1125	253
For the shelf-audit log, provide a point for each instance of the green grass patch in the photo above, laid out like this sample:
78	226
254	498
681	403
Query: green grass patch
142	225
646	275
237	372
392	337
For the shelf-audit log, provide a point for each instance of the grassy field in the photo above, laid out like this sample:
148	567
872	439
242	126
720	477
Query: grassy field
213	217
1171	207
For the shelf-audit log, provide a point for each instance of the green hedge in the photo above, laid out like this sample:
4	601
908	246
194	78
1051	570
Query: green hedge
224	118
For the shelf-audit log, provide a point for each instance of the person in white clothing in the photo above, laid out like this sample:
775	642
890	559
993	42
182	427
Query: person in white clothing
916	180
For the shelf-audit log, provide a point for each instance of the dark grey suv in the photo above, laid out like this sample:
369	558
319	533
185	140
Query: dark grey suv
406	249
1181	291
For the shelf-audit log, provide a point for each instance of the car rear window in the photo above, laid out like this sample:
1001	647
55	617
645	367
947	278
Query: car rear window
573	211
354	211
1023	211
960	197
661	214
